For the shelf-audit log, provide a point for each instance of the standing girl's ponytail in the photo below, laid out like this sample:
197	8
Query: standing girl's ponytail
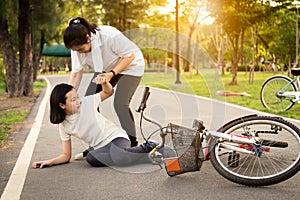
77	31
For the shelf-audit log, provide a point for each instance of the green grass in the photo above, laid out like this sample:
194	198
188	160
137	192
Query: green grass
2	87
39	84
11	117
204	84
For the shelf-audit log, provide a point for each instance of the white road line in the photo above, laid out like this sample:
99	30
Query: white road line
17	178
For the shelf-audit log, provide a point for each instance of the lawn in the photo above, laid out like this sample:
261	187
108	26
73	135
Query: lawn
13	111
205	84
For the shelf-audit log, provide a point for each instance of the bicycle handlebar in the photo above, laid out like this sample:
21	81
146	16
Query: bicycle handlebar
144	100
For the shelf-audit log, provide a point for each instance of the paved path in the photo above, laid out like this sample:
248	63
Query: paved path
77	180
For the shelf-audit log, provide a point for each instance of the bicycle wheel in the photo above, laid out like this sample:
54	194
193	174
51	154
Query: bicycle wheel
271	87
275	160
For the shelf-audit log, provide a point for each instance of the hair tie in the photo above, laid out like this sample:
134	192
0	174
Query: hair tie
76	21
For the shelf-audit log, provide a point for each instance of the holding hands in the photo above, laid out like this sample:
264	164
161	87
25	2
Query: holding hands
101	79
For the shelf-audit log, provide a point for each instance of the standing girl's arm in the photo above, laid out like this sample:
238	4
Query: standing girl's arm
121	66
123	63
63	158
75	79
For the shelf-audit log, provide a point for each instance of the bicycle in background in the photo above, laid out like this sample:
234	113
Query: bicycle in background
280	93
251	150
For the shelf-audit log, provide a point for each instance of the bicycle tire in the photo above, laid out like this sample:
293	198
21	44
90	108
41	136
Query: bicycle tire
271	167
270	88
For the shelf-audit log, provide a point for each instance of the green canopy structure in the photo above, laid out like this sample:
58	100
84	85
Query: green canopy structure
57	50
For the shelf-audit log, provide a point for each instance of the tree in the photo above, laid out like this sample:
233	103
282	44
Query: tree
218	40
25	50
281	36
9	56
37	22
17	72
236	17
123	14
47	25
190	16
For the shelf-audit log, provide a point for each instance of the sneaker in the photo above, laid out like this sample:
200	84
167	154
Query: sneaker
81	156
149	145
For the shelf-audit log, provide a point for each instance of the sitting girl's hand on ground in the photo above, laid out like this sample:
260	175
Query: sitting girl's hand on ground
41	164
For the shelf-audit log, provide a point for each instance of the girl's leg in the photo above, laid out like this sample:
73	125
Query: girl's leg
122	154
119	153
126	87
100	157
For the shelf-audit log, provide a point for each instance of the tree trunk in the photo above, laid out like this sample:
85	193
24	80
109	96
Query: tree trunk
188	59
36	58
234	72
235	60
9	59
25	50
177	64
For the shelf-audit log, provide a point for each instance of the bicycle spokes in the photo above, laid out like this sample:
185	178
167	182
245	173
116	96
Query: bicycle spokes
270	156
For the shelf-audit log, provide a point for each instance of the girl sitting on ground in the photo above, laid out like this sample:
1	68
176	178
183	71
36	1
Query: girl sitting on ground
111	145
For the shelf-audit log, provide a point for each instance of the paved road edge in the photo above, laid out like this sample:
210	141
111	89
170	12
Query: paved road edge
17	178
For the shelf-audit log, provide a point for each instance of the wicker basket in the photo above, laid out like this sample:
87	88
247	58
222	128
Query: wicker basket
185	144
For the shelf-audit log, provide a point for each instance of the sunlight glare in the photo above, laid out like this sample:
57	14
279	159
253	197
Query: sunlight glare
170	7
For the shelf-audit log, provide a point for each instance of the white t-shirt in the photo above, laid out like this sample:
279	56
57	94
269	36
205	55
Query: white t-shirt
89	125
108	46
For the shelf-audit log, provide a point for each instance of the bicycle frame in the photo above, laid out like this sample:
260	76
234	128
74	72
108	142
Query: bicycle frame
230	142
294	96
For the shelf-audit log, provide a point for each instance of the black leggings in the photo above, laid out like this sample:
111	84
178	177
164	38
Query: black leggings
119	153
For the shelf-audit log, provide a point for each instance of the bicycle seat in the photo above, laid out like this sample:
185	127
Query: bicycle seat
295	71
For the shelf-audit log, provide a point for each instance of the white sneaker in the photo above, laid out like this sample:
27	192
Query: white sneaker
79	156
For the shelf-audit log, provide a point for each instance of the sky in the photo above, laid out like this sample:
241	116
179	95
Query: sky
171	8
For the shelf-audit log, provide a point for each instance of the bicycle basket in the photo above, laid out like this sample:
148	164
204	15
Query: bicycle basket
185	145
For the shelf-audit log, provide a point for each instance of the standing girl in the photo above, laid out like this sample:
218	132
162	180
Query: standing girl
108	51
82	120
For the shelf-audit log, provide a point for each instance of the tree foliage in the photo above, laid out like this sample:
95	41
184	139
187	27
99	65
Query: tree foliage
26	25
123	14
236	17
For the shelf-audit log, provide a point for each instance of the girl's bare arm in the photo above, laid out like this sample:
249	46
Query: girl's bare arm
63	158
107	89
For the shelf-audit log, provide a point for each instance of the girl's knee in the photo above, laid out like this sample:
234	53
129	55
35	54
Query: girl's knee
94	161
